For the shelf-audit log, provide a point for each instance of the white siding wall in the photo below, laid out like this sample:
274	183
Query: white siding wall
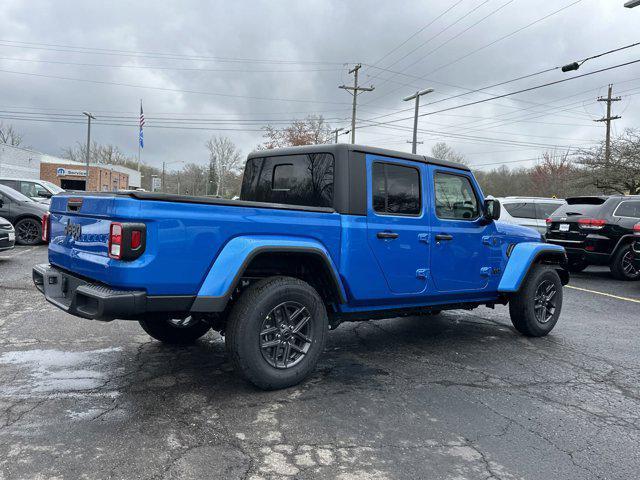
19	162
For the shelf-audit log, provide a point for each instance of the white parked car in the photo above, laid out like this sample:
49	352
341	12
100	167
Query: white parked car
528	211
38	190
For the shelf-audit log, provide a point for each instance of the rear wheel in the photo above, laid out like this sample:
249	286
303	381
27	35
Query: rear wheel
623	265
276	332
28	231
177	331
535	308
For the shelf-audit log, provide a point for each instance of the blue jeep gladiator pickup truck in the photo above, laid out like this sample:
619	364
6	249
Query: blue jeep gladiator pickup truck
321	234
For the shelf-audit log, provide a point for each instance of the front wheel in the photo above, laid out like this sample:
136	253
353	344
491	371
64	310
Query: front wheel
179	331
276	332
623	266
28	231
535	308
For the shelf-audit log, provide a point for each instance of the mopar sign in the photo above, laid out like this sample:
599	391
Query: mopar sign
61	172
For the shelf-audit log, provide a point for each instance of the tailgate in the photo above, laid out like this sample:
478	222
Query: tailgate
80	233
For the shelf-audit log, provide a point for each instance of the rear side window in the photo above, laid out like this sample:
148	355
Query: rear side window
396	189
305	180
10	183
521	209
455	198
628	209
545	210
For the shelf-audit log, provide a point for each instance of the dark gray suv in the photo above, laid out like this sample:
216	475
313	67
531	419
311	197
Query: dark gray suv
24	213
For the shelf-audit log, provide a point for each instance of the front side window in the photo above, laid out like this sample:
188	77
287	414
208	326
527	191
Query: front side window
396	189
628	209
521	209
305	179
455	198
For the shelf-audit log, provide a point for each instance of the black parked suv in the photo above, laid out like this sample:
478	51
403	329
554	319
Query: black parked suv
598	231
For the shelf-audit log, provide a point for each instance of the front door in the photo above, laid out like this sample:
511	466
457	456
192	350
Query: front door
397	229
462	242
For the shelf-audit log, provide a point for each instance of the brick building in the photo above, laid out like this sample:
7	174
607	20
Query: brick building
71	175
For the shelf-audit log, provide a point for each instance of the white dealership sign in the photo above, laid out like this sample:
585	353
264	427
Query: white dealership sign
70	172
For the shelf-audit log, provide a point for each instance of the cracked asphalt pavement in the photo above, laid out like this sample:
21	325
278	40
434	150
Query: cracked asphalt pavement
456	396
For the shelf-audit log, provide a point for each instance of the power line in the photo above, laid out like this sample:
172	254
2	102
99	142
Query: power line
166	89
162	55
504	82
536	87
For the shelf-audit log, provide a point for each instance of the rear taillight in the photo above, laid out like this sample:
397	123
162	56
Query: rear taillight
115	241
548	220
127	240
591	223
636	229
45	227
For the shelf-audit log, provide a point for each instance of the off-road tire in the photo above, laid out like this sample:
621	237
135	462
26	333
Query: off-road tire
165	331
245	323
522	304
28	231
617	266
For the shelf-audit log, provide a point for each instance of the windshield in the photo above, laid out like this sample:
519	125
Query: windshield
14	194
52	187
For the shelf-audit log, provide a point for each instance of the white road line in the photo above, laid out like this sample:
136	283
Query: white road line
20	252
634	300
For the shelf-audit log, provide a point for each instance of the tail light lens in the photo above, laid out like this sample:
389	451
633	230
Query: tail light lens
591	223
115	241
45	227
127	240
636	229
548	220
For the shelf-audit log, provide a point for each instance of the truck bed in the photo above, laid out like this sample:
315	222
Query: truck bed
184	235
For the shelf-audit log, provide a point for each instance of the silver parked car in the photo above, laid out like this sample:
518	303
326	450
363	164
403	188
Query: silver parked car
528	211
7	235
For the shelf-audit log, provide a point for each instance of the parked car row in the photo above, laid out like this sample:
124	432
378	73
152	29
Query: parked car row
24	213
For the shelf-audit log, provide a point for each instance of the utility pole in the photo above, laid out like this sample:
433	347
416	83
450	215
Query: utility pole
164	189
335	132
416	96
608	119
354	91
88	153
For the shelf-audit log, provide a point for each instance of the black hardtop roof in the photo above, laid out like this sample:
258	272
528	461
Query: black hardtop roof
340	148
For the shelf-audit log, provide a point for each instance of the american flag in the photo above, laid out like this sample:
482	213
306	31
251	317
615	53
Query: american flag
141	125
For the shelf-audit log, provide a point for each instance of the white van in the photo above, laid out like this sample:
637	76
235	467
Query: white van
528	211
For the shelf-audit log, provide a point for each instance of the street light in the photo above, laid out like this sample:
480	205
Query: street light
632	3
164	165
416	96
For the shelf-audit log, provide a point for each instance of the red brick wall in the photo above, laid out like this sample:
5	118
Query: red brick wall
100	178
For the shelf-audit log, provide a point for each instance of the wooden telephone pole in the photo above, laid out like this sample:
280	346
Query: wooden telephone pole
355	90
609	99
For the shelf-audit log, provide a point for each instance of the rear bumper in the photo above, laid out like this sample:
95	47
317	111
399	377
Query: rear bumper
95	301
578	254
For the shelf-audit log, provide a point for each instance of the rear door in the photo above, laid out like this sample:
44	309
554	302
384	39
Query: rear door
523	212
462	257
397	229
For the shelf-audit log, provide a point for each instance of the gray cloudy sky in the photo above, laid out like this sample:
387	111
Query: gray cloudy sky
235	65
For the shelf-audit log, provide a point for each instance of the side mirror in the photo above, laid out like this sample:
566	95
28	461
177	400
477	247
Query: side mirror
491	209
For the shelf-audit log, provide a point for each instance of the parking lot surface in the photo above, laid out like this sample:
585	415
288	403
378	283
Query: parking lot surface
455	396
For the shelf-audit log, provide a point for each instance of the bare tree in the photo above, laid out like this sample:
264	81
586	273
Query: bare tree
621	174
313	130
9	136
443	151
554	175
224	160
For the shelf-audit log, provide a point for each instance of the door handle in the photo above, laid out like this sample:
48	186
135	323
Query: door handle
387	235
440	237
